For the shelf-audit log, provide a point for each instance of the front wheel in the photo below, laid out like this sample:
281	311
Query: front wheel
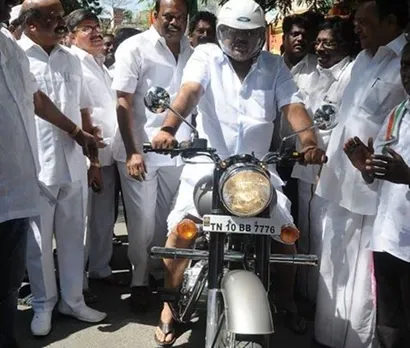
228	339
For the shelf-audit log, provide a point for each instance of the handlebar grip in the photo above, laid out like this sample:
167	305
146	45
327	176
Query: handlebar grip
147	147
297	156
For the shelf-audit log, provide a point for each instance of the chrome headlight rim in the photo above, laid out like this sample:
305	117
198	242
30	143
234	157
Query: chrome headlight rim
233	170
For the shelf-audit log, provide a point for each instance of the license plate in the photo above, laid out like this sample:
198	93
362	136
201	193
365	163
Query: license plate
232	224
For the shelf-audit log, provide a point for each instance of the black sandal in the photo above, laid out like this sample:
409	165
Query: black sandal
167	329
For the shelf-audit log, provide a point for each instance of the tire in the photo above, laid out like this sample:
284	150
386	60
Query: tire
241	341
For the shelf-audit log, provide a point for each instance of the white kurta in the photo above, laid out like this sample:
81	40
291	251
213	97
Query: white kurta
234	117
145	61
326	87
63	170
101	205
345	306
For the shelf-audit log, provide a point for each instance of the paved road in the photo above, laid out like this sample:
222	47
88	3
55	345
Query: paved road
124	328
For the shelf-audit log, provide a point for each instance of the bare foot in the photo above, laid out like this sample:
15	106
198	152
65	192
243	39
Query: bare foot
166	334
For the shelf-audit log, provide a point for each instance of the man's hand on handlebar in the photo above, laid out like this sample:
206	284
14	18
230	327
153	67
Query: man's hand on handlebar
136	166
164	140
313	155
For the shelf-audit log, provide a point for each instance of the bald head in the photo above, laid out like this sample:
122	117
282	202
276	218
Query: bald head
43	21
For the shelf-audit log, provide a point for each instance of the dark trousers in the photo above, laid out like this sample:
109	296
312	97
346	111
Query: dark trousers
13	243
393	300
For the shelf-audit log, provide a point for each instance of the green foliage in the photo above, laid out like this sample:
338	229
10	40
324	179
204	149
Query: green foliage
92	5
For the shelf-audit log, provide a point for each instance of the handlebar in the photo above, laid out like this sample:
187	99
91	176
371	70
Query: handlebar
188	149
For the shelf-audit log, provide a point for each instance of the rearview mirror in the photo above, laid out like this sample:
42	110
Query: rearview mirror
157	100
325	117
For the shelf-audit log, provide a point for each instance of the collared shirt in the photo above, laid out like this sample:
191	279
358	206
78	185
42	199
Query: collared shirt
391	231
374	89
326	87
302	73
141	62
59	76
237	117
19	189
103	98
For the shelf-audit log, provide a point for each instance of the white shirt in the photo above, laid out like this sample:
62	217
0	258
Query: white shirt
19	190
238	117
326	87
391	231
141	62
59	76
103	98
302	73
375	88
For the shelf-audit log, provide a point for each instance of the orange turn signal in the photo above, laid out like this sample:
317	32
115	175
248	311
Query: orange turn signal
187	229
289	234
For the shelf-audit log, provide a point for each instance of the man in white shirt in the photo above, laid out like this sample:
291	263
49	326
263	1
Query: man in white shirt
20	189
239	90
387	163
155	57
345	312
202	28
63	169
87	44
333	46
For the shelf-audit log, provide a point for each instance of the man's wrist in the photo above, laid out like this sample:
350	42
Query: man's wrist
169	129
75	132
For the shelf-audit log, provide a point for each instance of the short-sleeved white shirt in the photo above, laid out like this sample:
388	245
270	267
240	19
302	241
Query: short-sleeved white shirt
326	86
103	114
19	189
59	76
141	62
391	231
374	89
238	117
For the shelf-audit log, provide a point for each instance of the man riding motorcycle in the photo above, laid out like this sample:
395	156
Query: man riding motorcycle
239	90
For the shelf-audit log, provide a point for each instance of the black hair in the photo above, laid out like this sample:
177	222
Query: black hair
398	8
158	5
109	35
343	33
123	34
205	16
77	16
290	21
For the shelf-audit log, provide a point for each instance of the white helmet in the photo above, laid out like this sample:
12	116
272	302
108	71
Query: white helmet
241	29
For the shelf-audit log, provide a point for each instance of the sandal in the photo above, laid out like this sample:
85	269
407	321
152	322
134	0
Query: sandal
167	329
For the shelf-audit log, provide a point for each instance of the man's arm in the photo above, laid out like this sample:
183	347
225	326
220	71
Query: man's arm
46	109
299	119
186	100
87	125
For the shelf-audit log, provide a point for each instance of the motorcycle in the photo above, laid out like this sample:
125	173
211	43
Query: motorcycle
228	275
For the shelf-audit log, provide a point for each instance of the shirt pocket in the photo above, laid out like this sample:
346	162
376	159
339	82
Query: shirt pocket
380	99
67	87
263	101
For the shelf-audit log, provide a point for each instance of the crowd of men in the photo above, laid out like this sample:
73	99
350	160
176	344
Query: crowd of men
74	121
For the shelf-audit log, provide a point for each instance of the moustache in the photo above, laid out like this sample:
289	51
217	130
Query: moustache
98	36
205	39
61	30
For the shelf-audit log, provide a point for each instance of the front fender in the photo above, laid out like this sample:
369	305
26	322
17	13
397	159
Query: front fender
247	309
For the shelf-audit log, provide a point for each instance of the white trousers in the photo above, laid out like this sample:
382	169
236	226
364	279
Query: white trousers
148	204
345	312
312	210
100	225
64	219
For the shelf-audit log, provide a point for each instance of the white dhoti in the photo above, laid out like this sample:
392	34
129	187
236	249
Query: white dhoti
312	210
345	312
148	204
64	219
101	220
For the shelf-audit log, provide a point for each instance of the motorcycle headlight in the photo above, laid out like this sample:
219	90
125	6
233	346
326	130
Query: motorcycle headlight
245	190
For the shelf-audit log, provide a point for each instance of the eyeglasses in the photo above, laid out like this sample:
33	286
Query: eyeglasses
88	29
327	44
